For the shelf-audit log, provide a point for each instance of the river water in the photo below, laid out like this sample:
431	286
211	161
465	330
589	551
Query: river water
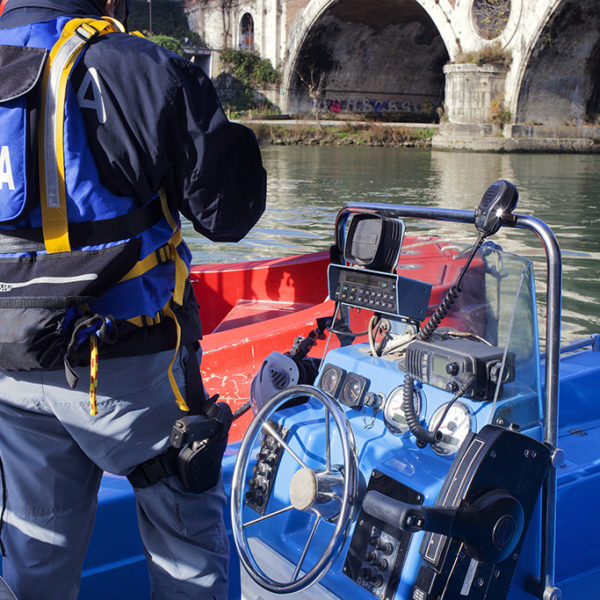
309	184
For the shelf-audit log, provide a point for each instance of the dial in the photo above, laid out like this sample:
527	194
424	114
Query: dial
455	426
393	413
330	380
353	390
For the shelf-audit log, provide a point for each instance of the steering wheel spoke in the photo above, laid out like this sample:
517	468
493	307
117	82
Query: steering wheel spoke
262	518
329	493
306	546
283	443
327	441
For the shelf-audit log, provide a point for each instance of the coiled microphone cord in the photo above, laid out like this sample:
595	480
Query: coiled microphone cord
424	436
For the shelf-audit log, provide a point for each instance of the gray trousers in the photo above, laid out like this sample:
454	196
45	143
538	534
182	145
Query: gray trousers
53	453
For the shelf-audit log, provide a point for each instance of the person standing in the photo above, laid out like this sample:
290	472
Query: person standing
105	139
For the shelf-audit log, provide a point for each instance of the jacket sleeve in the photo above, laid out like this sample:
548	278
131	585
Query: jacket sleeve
164	127
217	179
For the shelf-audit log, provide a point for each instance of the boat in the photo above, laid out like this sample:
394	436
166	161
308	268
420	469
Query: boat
432	460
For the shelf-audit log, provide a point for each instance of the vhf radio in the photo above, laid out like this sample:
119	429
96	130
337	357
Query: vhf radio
447	363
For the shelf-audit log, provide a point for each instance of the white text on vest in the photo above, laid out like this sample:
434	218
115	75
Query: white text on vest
5	169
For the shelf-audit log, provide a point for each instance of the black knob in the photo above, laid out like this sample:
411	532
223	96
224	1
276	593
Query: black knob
367	574
269	459
258	484
379	563
452	387
385	548
452	368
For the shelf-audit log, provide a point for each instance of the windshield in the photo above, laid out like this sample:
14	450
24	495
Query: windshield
497	304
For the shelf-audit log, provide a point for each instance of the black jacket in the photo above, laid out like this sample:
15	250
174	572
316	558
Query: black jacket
153	120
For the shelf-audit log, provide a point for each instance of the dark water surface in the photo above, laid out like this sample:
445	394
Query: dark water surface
308	186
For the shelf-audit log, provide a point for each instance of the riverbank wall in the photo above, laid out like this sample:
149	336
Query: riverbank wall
445	136
341	133
517	138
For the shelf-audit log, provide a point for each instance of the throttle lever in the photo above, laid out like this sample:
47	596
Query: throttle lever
490	527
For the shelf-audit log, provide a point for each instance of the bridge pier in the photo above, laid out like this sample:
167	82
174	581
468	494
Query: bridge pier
472	91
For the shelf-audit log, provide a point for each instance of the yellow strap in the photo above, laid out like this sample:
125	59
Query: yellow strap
144	321
118	26
181	269
164	253
178	397
61	61
93	374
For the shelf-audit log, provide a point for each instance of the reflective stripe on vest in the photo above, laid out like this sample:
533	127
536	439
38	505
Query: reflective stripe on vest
63	57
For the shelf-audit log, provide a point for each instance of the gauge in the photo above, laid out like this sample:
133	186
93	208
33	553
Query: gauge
353	390
393	413
455	426
330	379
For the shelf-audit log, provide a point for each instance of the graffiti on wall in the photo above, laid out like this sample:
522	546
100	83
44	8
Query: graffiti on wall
374	105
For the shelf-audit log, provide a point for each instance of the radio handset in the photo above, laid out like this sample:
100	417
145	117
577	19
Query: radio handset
496	207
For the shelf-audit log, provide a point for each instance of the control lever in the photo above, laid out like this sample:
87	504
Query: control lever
496	206
490	527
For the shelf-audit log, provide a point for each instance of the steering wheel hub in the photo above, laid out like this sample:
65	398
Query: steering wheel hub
303	489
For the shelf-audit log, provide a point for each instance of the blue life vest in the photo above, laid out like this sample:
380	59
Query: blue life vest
71	253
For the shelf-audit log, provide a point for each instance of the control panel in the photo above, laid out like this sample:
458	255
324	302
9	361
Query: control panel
378	549
386	293
264	471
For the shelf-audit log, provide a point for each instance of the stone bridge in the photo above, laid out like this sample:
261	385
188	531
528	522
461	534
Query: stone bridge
411	56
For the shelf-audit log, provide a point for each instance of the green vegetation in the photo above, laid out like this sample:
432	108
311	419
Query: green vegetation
345	134
244	73
490	17
492	54
498	113
168	19
169	43
249	68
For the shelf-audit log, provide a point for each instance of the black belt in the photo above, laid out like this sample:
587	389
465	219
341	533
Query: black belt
90	233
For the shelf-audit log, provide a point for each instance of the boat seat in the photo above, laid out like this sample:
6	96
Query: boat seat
247	312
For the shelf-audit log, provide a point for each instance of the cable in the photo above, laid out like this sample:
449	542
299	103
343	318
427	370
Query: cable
423	435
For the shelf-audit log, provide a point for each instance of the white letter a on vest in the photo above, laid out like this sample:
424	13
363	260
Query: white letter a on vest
6	169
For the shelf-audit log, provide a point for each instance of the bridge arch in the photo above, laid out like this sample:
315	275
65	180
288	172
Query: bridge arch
332	61
558	82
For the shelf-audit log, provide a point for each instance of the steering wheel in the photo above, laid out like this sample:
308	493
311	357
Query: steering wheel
329	493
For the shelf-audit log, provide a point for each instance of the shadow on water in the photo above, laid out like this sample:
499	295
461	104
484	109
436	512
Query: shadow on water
308	185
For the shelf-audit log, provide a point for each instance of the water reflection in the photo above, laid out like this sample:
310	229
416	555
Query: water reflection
308	185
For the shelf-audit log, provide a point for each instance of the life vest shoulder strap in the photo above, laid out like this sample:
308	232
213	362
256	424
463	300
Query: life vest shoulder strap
74	38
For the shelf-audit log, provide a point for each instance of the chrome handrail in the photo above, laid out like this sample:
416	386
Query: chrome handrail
551	376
